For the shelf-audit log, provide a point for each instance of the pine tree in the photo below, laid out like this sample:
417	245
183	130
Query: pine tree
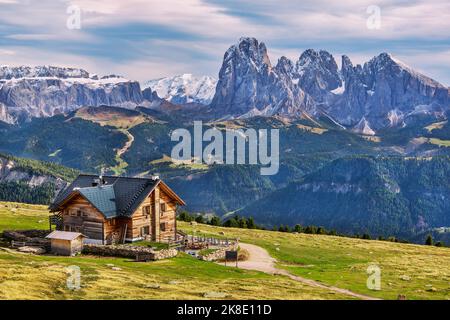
215	221
429	241
199	219
251	223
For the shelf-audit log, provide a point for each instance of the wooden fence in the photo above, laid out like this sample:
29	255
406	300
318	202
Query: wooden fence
18	244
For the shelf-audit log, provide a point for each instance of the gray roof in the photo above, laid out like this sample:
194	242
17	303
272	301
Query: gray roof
64	235
103	198
119	196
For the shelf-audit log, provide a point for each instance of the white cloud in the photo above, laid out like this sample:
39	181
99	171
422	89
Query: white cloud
212	26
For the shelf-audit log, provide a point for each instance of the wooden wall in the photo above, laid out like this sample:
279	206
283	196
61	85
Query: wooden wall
168	217
80	216
156	218
61	247
67	247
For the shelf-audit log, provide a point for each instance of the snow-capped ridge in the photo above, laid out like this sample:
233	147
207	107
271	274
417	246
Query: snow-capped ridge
43	91
185	88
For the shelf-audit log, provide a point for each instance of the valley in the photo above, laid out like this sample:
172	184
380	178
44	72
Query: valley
359	175
363	147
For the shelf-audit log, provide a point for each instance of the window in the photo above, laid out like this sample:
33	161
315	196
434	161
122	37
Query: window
78	213
85	214
68	227
72	213
163	226
163	208
146	210
145	231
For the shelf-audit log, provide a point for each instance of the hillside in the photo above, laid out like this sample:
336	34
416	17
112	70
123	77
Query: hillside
137	143
380	196
31	181
333	261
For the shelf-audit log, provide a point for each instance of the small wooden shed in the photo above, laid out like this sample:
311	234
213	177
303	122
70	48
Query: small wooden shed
66	243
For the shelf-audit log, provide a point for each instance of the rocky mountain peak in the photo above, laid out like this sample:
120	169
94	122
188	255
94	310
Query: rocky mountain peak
250	50
285	65
249	86
317	74
346	66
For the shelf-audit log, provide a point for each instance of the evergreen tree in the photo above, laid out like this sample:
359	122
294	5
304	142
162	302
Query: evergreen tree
321	230
215	221
311	230
231	223
429	240
199	219
243	223
185	216
251	223
332	232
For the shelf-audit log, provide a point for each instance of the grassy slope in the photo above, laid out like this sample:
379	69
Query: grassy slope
331	260
343	261
44	277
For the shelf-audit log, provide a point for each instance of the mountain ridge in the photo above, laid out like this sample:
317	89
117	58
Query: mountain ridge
381	93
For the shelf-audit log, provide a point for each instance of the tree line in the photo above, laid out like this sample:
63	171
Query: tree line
249	223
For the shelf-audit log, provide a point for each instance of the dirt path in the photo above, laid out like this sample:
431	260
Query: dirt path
260	260
127	144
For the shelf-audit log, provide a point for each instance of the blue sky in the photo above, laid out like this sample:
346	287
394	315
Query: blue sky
145	39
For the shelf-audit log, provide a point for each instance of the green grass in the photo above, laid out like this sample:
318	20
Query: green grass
343	262
15	216
184	277
337	261
24	276
205	252
151	244
439	142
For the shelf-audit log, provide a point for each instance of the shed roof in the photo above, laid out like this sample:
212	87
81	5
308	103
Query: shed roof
64	235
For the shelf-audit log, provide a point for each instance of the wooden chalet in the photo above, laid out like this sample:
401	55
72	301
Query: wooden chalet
117	209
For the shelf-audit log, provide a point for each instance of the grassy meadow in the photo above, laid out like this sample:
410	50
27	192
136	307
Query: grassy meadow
24	276
418	272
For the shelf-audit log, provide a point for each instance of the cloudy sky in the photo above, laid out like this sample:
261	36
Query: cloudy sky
146	39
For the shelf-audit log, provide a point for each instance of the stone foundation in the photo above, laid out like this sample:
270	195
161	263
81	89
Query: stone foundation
219	254
128	251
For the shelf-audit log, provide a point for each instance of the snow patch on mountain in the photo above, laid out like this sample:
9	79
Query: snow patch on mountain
184	88
363	127
43	91
339	90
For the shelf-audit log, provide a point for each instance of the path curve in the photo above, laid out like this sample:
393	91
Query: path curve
127	145
260	260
